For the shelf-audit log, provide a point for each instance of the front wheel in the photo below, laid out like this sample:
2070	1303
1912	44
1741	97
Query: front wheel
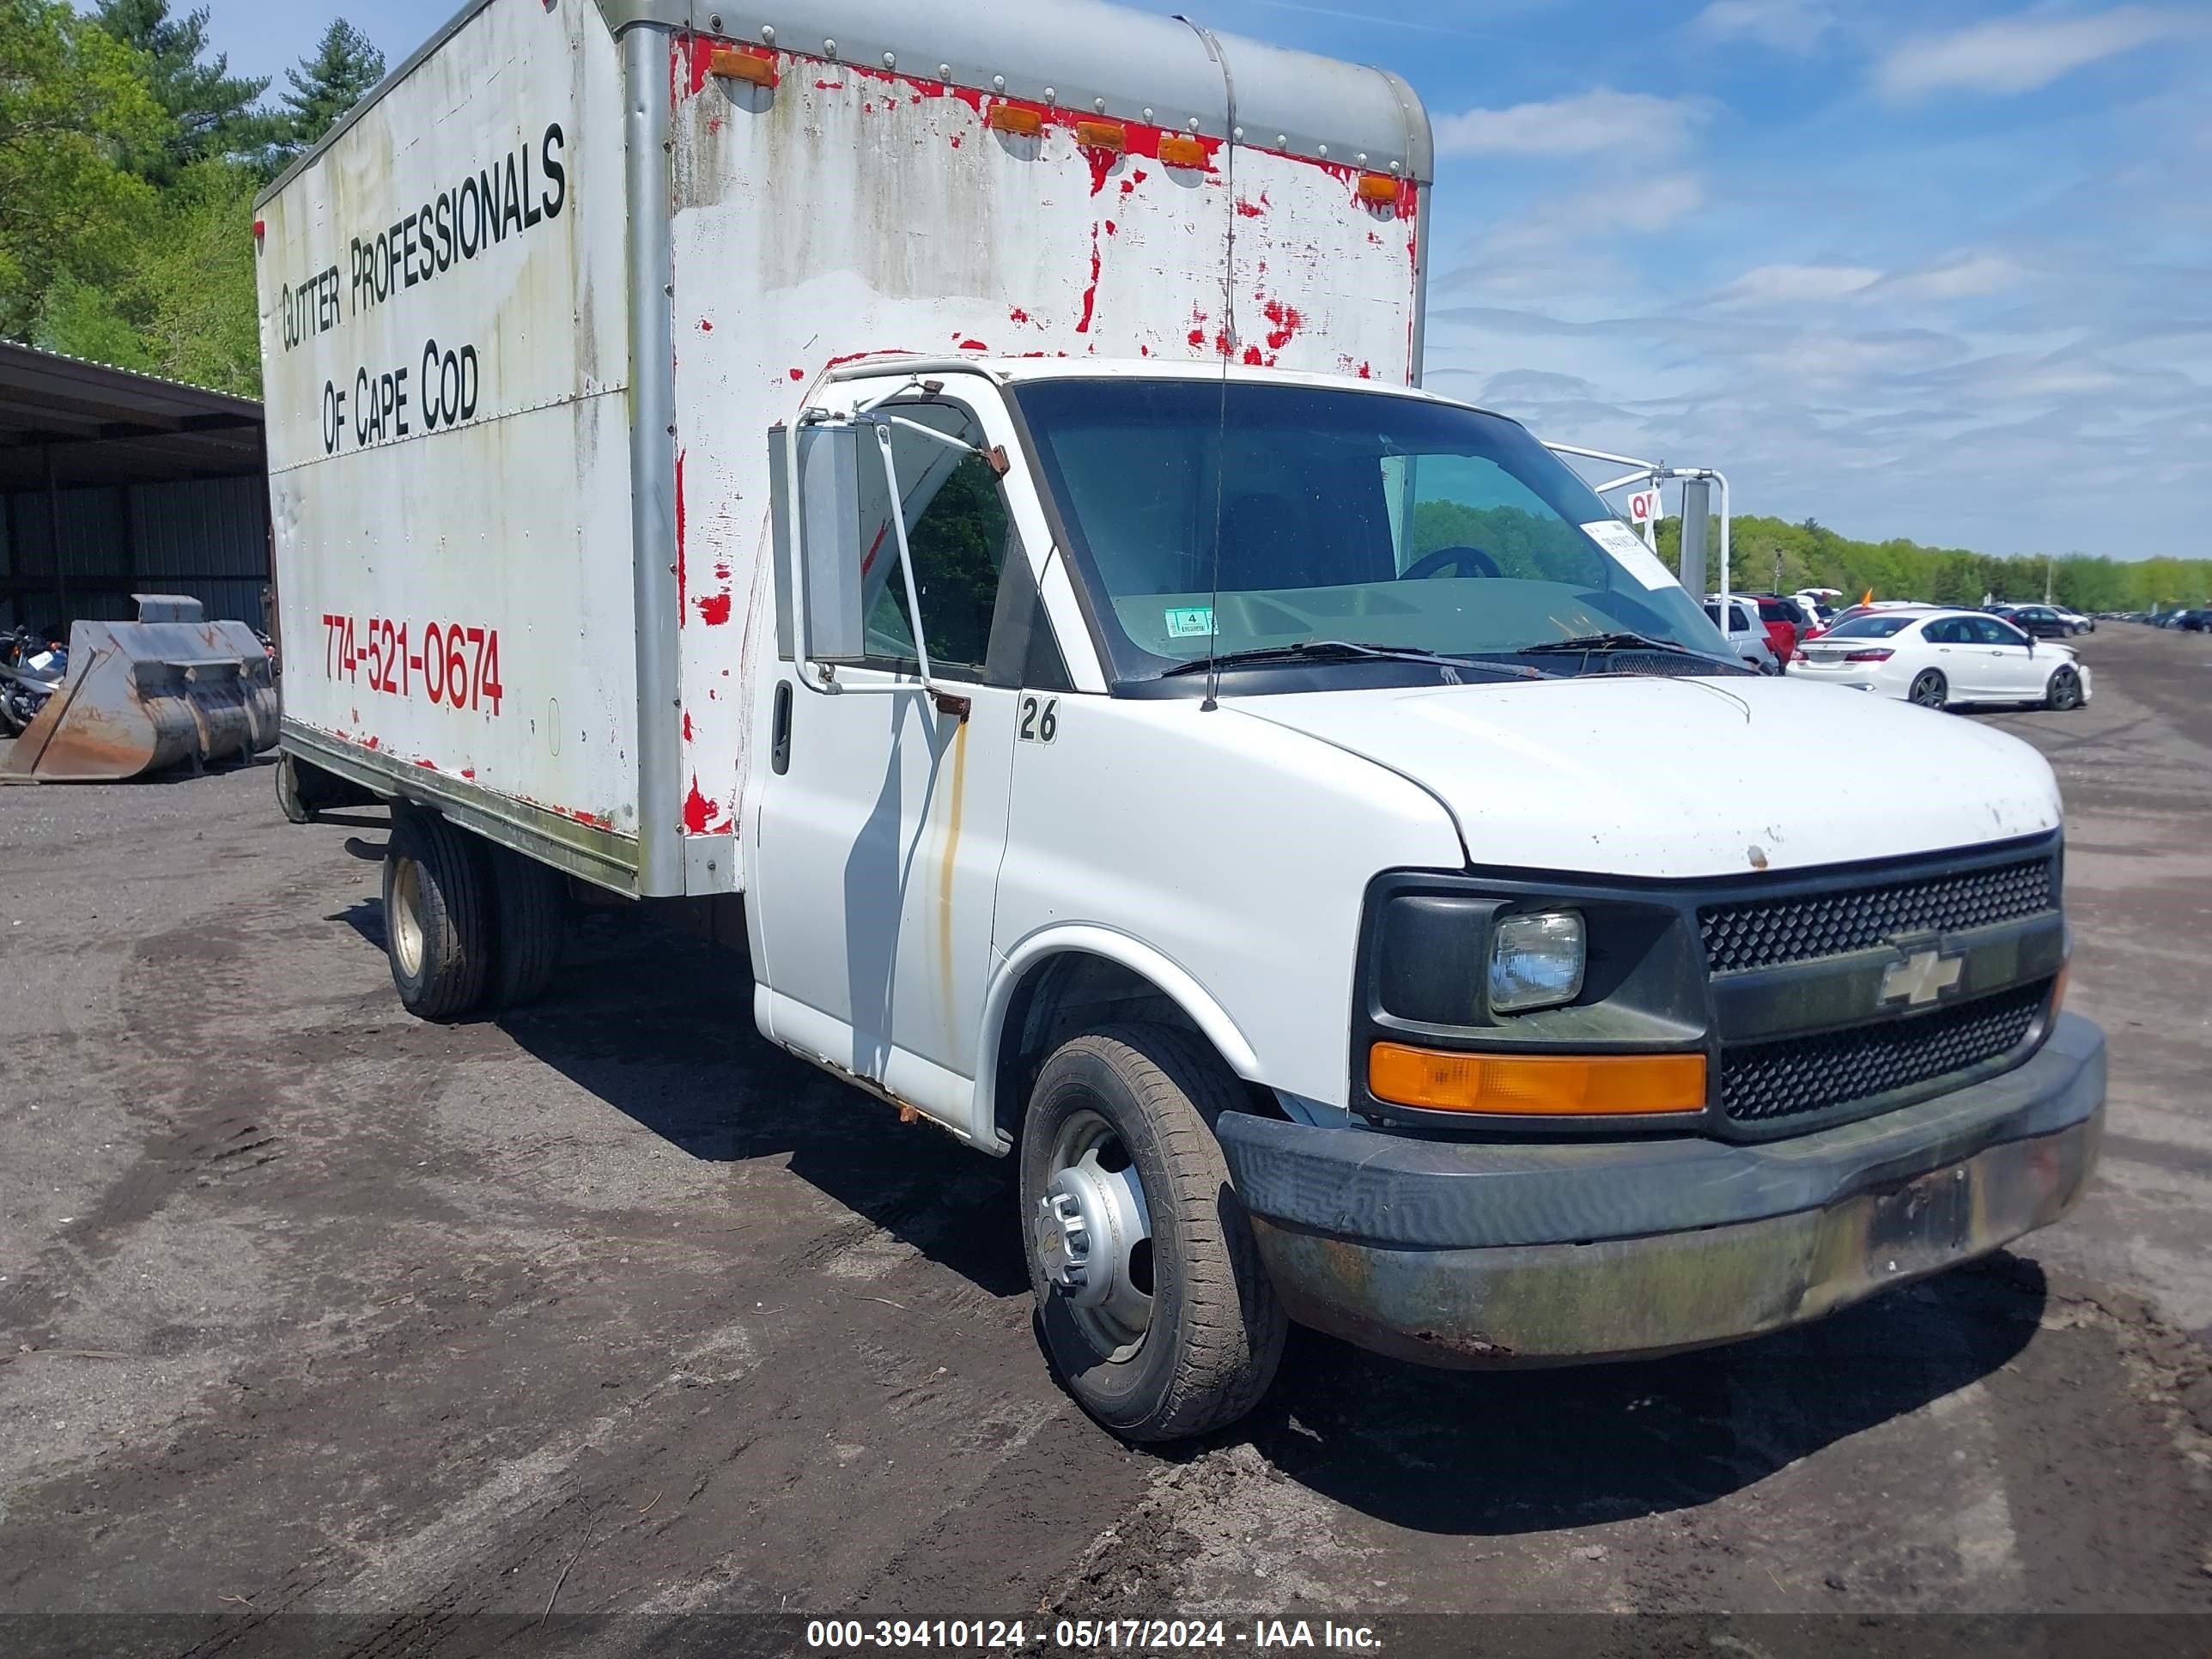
2064	691
1151	1296
1930	689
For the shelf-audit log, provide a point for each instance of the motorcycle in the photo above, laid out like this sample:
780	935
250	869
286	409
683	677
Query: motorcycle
32	666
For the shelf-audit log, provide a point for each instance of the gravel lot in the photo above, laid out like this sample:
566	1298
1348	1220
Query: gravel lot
306	1307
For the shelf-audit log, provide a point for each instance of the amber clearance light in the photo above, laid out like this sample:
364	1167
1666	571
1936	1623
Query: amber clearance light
728	65
1013	119
1537	1085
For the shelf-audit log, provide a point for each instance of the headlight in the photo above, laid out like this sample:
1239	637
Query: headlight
1536	961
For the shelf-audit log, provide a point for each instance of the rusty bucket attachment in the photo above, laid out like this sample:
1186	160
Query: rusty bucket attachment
168	689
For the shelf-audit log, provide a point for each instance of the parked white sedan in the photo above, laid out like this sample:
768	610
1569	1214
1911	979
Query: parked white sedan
1934	657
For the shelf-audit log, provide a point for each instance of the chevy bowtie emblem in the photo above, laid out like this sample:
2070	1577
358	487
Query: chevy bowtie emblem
1921	978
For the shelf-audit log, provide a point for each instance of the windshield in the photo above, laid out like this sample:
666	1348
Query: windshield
1343	516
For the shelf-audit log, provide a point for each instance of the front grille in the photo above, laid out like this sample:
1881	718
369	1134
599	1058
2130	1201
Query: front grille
1761	1082
1763	933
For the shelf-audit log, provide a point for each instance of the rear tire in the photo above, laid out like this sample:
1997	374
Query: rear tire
1191	1334
1930	689
530	904
289	800
437	917
2064	690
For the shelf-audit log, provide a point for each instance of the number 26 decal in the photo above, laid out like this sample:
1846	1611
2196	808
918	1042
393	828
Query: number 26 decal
1040	719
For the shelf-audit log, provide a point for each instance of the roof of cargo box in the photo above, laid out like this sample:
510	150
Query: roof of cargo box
1079	54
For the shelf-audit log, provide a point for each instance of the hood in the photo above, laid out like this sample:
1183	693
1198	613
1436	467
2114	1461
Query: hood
1685	778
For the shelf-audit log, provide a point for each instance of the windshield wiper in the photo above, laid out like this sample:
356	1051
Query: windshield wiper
1587	644
1348	651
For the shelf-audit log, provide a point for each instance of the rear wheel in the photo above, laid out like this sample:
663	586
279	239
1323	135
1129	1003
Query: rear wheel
437	917
1151	1296
2064	690
1930	689
530	906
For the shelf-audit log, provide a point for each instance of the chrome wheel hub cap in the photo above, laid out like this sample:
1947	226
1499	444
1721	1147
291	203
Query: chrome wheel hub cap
1092	1234
406	918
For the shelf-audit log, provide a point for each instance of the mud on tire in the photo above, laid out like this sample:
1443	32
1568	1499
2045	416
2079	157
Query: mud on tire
1215	1331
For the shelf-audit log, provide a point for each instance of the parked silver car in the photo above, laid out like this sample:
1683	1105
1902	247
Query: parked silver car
1746	632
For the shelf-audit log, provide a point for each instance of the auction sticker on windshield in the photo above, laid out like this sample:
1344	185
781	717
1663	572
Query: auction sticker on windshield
1640	562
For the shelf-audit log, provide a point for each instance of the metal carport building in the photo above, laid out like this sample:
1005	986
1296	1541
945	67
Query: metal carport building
112	483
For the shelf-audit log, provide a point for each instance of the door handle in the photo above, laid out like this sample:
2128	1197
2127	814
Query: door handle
779	754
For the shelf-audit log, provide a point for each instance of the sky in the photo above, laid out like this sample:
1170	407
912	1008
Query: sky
1935	269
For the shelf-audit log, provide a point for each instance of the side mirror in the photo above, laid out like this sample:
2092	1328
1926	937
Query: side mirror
819	552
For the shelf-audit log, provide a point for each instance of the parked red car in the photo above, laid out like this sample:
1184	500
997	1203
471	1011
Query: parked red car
1782	620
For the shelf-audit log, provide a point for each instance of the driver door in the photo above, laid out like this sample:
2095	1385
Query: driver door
883	819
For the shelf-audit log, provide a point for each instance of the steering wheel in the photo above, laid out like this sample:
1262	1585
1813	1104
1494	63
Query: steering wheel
1447	558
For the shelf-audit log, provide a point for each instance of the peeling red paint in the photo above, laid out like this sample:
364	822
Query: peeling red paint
428	766
470	773
956	140
1103	162
698	810
714	609
973	345
695	53
679	537
1090	293
1367	371
1197	339
797	374
1287	319
1017	315
828	86
706	327
1255	356
687	726
1250	211
1112	229
372	743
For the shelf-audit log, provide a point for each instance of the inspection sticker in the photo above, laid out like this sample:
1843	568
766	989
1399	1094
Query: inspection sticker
1629	551
1197	623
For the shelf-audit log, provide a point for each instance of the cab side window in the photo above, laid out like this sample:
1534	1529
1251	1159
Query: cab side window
983	619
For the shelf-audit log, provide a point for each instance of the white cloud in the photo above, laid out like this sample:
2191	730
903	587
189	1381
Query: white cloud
2020	54
1769	285
1583	124
1787	25
1961	279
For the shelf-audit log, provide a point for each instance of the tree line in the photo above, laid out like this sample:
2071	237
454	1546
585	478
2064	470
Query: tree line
1771	555
130	157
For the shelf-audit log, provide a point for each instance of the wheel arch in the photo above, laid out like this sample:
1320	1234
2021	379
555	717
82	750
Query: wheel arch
1084	974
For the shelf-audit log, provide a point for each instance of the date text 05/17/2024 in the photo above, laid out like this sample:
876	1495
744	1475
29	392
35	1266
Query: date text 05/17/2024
1090	1635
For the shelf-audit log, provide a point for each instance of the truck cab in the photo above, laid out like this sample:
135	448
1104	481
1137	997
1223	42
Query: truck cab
1290	831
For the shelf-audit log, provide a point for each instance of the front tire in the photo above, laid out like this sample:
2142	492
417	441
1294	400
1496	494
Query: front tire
1151	1298
437	917
1930	689
2064	691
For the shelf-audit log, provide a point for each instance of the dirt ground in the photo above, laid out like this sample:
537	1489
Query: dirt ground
610	1307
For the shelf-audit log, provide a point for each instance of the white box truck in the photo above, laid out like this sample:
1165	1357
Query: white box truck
952	483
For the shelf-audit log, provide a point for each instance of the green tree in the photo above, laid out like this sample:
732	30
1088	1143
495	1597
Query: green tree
345	69
212	114
73	106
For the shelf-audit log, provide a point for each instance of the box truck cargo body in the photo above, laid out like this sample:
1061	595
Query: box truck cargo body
482	333
952	491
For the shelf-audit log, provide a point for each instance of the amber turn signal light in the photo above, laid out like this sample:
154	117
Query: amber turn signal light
728	63
1380	190
1537	1085
1101	134
1178	151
